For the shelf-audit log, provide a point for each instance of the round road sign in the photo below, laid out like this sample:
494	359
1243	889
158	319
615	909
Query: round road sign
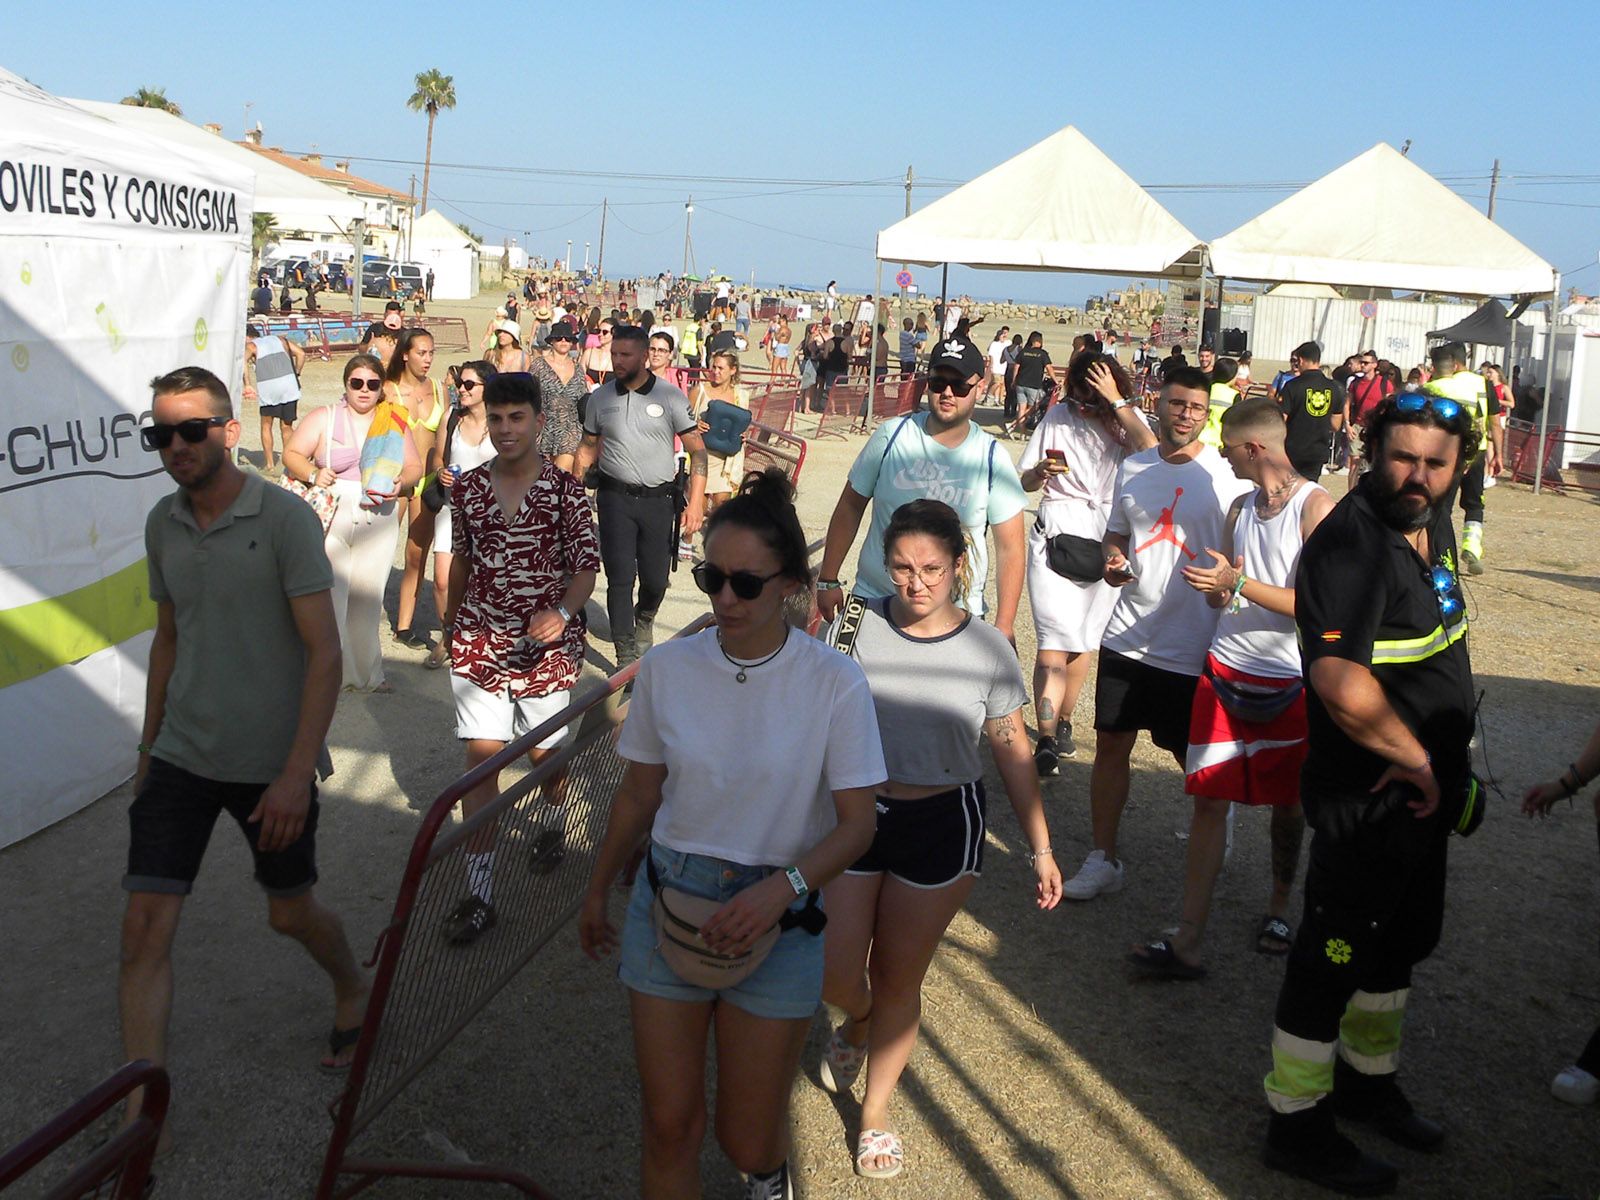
1368	310
903	279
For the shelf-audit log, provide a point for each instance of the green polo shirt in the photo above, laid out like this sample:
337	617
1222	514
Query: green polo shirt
233	701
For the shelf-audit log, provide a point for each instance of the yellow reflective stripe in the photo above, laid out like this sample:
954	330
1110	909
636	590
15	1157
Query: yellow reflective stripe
1302	1072
39	637
1408	650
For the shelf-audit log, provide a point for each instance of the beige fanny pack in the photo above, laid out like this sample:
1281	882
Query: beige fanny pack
677	917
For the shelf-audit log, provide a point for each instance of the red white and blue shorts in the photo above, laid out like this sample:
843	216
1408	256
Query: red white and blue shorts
1249	762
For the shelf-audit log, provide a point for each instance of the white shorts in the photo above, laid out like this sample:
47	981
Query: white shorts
488	717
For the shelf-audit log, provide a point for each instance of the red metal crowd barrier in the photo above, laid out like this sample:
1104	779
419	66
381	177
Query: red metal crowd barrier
426	990
1561	446
765	446
321	334
124	1158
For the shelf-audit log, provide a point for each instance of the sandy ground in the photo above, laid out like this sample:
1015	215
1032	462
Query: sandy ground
1045	1068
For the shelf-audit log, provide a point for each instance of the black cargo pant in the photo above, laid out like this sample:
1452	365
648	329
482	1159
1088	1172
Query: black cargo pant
1375	885
635	543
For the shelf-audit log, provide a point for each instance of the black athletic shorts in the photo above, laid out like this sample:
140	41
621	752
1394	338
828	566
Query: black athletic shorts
289	412
928	843
1130	695
170	821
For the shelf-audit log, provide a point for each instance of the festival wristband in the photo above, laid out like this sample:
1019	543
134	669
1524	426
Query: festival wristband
829	585
145	748
797	881
1035	855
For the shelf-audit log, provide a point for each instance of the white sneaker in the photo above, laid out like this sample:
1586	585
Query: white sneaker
1094	877
1575	1086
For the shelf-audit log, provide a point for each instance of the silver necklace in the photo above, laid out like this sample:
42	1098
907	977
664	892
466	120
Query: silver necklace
741	677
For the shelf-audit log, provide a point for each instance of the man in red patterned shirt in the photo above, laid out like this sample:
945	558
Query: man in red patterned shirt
525	562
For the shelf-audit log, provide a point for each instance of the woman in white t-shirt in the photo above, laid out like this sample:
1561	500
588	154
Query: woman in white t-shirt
757	832
464	444
940	678
1073	457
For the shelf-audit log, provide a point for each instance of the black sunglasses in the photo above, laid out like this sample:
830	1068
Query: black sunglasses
364	385
194	431
746	585
957	385
469	385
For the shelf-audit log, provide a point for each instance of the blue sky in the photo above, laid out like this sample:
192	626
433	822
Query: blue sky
1229	94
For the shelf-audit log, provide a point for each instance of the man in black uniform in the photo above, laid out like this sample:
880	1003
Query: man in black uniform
1313	405
1382	629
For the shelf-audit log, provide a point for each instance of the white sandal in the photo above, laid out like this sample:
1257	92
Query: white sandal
841	1063
877	1143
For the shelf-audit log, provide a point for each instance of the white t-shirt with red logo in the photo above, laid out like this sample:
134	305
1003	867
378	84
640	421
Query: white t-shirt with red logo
1172	513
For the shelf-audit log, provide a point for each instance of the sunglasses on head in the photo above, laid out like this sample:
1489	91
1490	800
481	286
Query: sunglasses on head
746	585
951	383
194	431
361	384
1442	407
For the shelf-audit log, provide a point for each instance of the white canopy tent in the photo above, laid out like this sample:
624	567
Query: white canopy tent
126	258
444	246
1381	221
296	200
1060	205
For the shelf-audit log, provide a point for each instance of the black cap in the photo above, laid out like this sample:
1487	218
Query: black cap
958	353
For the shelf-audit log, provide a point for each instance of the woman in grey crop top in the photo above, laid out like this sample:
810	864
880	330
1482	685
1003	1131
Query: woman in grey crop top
940	679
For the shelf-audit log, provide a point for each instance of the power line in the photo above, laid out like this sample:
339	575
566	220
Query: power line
788	232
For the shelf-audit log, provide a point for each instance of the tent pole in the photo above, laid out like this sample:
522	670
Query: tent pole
944	302
1549	381
872	332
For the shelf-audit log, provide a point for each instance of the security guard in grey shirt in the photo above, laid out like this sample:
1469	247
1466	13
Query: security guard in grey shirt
628	428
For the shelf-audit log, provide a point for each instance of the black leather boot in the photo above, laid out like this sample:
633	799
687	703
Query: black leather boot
1308	1146
1377	1100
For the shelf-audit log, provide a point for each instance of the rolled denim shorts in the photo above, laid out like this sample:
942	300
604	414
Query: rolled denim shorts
786	986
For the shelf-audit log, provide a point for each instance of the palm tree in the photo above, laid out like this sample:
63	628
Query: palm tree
263	231
434	91
153	98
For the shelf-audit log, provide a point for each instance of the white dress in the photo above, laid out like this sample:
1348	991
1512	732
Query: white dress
463	456
1069	616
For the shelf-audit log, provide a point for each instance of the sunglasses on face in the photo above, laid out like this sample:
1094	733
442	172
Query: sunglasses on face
469	385
194	431
360	384
949	383
746	585
1443	407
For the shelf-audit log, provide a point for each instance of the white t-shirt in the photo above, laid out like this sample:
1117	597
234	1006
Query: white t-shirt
810	713
1078	502
724	290
901	463
1171	513
997	355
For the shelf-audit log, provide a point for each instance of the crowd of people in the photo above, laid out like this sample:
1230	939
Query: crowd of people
1292	653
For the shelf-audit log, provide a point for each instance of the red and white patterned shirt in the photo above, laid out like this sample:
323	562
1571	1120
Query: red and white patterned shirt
518	569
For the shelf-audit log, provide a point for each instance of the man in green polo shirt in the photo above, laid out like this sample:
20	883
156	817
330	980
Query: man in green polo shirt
244	674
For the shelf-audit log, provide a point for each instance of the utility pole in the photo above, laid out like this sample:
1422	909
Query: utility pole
688	245
600	263
411	216
1494	186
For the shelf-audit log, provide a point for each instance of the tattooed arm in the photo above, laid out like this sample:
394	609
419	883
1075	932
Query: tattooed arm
694	514
1008	742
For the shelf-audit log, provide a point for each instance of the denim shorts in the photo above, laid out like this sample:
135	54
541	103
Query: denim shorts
786	986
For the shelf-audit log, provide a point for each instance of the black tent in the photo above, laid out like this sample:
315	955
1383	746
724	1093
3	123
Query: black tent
1488	326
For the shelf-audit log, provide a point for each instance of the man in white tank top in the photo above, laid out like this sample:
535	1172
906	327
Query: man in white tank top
1247	728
